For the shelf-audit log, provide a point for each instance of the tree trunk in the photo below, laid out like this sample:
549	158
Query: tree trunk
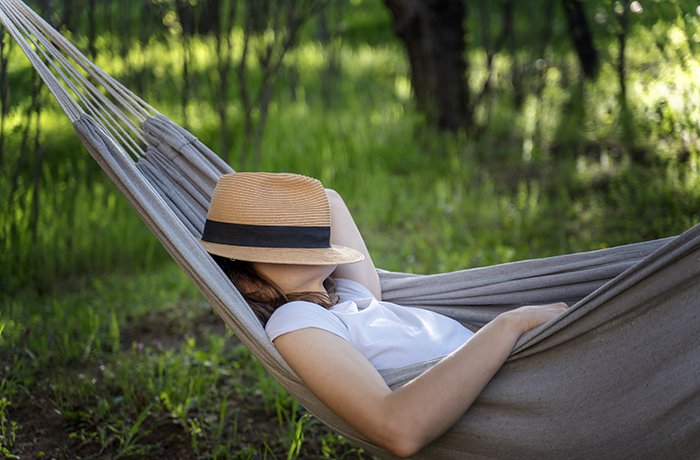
516	74
68	14
284	19
434	36
331	14
244	98
186	15
224	49
581	37
542	65
185	95
38	160
626	122
92	29
622	17
4	90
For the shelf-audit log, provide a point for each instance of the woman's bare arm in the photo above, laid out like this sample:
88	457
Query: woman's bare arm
405	420
344	232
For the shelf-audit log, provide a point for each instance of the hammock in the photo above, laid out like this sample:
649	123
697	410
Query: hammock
616	376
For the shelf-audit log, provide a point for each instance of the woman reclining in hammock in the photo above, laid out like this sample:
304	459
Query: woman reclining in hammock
321	306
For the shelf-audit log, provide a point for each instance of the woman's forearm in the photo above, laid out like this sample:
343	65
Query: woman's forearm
430	404
405	420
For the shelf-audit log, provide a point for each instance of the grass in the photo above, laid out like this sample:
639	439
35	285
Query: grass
138	366
107	350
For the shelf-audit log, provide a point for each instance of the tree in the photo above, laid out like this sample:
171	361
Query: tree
434	36
4	89
223	44
270	31
581	37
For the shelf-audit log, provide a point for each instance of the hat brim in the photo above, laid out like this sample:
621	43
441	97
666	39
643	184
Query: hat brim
335	255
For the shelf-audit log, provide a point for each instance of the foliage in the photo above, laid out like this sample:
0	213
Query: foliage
123	385
115	348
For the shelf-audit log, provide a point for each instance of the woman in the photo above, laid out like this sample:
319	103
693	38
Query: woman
282	239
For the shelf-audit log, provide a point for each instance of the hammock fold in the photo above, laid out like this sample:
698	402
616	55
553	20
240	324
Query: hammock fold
616	376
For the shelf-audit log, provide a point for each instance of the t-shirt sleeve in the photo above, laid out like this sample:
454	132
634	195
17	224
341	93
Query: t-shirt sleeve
351	290
297	315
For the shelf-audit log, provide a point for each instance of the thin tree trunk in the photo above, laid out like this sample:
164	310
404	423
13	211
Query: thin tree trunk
638	155
542	65
38	161
581	37
516	75
331	73
92	29
284	19
492	48
4	90
623	20
271	64
224	47
243	95
24	154
34	109
485	20
186	14
68	14
142	36
185	94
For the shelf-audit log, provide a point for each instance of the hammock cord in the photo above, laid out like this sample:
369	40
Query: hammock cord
137	106
93	102
70	108
57	51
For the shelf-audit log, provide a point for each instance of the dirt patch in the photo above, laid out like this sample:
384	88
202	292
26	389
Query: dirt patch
167	329
41	432
46	433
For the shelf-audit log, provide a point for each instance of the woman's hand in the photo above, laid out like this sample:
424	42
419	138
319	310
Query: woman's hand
406	419
530	316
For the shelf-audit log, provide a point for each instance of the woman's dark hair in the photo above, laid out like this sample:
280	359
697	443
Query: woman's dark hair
264	296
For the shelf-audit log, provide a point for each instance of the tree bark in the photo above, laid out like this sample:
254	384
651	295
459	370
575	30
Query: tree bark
623	19
626	122
221	29
542	65
186	15
4	90
68	14
434	36
331	14
582	37
516	74
92	30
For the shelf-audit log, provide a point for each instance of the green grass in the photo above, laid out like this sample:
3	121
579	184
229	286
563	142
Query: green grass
107	350
127	365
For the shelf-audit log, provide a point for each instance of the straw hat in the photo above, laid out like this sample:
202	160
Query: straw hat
272	217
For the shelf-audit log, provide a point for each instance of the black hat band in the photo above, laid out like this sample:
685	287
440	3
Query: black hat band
266	236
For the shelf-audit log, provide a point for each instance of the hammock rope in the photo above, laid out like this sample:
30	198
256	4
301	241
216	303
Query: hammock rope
572	388
121	114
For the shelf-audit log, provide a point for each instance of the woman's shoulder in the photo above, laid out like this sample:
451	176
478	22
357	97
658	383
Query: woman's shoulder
300	314
347	289
297	308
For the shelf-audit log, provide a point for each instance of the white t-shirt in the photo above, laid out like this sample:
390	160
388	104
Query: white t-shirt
388	335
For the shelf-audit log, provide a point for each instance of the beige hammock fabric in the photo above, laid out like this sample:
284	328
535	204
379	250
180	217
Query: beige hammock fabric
616	376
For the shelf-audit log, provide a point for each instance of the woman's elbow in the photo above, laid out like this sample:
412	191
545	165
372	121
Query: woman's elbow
402	439
404	449
333	196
